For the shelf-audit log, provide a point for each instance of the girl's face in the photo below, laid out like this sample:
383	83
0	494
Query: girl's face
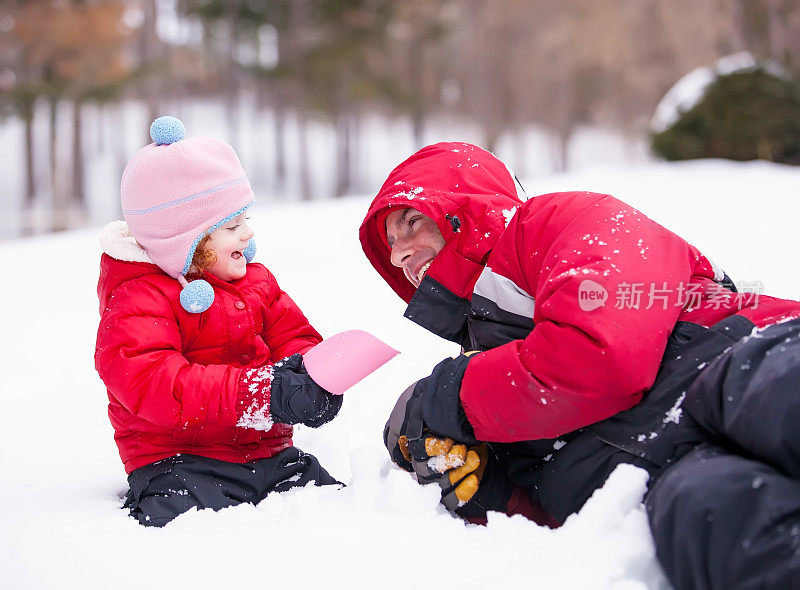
227	242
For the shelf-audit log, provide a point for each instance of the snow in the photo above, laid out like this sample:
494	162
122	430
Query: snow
508	214
61	478
441	463
256	415
675	412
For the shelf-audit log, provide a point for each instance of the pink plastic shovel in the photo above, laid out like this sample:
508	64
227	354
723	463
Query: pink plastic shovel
339	362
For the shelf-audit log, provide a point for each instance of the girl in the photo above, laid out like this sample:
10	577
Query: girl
201	410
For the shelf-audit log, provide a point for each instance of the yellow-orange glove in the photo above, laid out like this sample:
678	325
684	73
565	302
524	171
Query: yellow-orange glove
457	469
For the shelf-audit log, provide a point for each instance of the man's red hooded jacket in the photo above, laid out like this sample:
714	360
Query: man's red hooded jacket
571	296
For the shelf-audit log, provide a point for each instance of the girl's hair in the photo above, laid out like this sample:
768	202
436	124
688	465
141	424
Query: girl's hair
203	259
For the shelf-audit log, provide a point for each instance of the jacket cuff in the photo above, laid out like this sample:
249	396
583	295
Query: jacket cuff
252	404
441	405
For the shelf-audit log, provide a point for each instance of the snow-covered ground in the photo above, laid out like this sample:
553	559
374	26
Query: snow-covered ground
61	525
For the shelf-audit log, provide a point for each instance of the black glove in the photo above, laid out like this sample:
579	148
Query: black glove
416	445
436	406
296	398
394	433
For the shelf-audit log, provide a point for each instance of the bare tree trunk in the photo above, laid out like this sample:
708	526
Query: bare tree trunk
30	187
343	146
302	149
232	115
148	50
206	41
297	61
78	185
561	141
52	143
278	90
777	31
739	25
120	141
417	110
231	90
357	180
521	152
418	128
100	130
279	136
59	194
491	136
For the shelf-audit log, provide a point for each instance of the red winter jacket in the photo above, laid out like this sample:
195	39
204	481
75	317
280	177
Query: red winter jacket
559	276
174	378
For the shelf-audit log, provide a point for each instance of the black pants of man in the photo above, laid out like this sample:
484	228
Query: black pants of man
727	514
161	491
719	433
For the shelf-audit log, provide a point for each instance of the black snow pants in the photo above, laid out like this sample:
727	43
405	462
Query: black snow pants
719	432
161	491
727	514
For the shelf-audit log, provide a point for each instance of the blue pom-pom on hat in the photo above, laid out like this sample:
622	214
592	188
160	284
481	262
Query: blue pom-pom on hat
167	130
197	296
250	251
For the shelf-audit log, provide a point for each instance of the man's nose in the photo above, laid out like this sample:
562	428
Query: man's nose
401	251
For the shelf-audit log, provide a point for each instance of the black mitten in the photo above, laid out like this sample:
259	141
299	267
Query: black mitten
296	398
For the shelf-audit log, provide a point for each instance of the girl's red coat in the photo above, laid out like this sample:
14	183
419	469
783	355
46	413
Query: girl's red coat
173	377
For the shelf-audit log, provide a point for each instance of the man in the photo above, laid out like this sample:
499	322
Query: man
601	338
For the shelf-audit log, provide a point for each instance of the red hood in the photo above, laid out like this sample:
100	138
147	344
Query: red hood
444	180
114	272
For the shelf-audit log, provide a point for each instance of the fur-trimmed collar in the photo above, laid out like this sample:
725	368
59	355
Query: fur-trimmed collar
117	241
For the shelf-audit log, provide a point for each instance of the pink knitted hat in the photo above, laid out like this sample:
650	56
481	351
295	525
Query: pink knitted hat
175	191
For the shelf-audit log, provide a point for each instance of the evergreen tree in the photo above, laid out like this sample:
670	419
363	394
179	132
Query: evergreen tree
743	116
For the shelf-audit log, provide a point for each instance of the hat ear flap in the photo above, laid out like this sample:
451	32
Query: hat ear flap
197	296
250	251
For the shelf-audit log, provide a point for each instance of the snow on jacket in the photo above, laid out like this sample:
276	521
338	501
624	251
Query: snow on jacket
572	296
179	382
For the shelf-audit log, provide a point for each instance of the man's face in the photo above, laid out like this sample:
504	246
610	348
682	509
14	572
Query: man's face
415	240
